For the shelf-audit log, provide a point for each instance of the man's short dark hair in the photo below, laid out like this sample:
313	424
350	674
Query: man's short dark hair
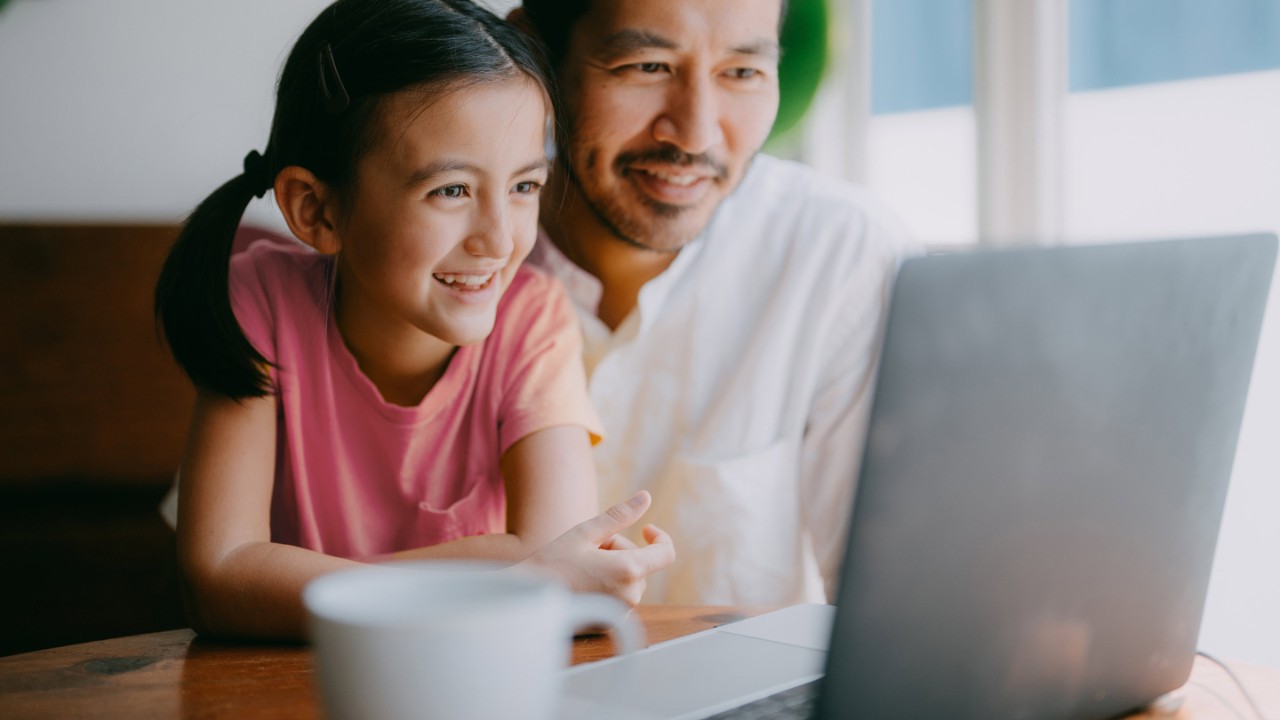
554	21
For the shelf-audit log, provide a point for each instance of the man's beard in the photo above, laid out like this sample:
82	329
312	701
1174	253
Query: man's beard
614	217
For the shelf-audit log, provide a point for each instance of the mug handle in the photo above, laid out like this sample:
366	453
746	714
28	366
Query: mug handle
588	609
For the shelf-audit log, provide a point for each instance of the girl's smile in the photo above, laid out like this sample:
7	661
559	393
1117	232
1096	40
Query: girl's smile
471	287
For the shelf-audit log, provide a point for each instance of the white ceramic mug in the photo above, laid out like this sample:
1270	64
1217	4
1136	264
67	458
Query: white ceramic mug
449	640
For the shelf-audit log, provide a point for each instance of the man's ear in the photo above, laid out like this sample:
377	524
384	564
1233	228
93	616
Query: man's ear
309	207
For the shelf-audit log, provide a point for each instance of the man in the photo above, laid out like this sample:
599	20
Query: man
731	303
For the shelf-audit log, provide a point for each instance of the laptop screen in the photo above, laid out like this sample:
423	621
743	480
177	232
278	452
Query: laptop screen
1047	462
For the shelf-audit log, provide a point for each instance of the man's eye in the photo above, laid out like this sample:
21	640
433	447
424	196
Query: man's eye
450	191
744	73
647	68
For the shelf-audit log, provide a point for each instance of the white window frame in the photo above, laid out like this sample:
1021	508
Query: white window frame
1020	89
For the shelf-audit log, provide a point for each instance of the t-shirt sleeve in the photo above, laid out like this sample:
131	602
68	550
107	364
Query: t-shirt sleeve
544	385
247	288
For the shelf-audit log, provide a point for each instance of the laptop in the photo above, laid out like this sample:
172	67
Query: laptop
1045	470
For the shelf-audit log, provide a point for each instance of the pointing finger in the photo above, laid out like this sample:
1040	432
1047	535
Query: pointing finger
616	519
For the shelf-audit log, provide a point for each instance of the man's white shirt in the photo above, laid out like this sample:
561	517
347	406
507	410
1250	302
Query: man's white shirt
738	390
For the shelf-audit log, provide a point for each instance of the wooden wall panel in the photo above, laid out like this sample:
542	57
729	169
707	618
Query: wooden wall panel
87	390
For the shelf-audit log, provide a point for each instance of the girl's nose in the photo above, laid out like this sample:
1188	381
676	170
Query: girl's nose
492	235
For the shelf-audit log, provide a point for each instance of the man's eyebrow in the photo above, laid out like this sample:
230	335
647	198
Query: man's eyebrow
764	47
625	42
628	41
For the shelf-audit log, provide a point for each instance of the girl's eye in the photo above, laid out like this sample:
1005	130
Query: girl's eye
450	191
528	187
744	73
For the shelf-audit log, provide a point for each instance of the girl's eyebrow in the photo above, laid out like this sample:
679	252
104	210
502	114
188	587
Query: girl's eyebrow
423	175
539	164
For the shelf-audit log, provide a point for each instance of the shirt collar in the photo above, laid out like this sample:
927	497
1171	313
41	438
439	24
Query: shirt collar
585	290
655	292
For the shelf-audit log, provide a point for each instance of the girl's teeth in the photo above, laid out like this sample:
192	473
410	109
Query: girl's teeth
464	280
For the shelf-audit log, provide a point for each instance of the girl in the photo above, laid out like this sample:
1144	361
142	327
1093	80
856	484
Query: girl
403	388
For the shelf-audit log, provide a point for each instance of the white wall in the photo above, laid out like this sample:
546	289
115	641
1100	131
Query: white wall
134	109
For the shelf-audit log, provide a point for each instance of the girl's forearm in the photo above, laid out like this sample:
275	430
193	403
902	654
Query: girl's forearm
502	547
255	591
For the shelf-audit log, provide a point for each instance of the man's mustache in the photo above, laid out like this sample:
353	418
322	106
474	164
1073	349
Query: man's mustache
672	156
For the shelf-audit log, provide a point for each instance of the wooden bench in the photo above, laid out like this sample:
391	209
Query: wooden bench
93	417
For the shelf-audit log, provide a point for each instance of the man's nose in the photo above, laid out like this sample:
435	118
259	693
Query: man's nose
691	119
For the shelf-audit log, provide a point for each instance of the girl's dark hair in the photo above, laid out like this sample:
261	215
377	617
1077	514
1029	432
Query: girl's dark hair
354	54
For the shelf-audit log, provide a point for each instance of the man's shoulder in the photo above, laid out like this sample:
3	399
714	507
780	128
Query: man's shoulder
776	184
786	205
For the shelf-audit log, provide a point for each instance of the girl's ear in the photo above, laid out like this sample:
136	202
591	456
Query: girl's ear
309	207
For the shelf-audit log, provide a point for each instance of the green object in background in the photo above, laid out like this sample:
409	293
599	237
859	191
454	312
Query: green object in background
804	59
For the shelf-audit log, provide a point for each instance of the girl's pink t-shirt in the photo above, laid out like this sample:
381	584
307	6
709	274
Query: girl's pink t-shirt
358	477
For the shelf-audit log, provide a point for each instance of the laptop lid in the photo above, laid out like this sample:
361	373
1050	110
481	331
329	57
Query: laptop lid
1045	471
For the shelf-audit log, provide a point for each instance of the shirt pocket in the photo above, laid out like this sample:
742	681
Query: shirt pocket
739	531
481	510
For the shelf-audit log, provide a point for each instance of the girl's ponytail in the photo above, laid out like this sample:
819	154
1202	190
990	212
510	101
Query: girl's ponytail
192	302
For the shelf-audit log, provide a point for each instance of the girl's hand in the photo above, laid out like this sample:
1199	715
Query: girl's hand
592	557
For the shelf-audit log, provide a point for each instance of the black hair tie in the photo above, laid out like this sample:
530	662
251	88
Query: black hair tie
257	173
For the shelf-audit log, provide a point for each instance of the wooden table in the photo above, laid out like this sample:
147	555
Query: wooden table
177	675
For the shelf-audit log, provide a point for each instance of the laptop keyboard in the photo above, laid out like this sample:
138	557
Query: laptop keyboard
795	703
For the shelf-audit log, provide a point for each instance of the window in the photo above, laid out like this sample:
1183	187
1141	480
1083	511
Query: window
1167	124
